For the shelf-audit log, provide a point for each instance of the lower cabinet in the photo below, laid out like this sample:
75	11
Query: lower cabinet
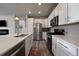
63	48
21	49
18	50
53	44
78	51
28	44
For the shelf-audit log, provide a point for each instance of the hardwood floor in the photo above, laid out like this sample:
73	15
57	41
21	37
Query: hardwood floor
39	48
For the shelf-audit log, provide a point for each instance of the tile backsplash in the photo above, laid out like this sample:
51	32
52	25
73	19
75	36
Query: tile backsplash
71	33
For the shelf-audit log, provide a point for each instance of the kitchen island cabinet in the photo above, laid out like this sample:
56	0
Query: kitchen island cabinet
15	46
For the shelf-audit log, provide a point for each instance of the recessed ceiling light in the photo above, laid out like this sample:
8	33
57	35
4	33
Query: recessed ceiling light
16	18
39	4
39	12
29	12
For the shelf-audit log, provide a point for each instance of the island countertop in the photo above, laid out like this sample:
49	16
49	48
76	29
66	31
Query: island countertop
7	42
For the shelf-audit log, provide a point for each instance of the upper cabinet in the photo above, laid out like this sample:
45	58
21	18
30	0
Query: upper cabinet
51	16
67	12
56	11
62	13
73	12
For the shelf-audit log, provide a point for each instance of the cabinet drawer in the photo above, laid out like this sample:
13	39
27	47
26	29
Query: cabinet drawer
71	49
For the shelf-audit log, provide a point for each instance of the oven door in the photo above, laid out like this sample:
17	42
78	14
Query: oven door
4	31
49	42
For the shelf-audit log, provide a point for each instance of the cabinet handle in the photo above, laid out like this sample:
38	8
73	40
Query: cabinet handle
68	18
63	45
30	41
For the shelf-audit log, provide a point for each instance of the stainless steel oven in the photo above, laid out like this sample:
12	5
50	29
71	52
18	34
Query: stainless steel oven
49	41
4	31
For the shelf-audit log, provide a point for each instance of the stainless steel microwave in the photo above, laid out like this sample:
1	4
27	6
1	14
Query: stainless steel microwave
54	21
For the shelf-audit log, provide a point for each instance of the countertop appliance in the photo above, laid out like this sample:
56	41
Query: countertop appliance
54	21
3	23
37	31
4	31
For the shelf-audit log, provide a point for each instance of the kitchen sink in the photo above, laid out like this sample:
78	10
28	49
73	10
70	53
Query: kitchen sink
22	35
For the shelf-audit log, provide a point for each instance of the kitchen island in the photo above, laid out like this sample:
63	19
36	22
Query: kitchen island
8	42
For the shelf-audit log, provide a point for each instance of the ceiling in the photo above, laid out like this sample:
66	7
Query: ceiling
22	9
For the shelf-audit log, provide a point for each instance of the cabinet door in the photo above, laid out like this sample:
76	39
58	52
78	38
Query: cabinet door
53	44
78	51
28	44
62	13
73	12
64	48
51	16
56	13
61	51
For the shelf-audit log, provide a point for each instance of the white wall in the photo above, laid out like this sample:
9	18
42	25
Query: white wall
43	21
30	25
10	24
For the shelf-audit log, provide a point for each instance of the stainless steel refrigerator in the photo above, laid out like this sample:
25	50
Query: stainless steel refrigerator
37	31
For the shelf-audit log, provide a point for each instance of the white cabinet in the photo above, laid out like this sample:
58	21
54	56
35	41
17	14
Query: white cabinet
73	12
53	44
61	51
62	13
68	13
28	44
51	16
78	51
64	48
56	11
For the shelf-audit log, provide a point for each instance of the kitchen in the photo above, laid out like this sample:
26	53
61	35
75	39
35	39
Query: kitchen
58	32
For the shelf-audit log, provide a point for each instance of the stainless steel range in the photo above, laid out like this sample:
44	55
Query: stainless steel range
49	41
49	37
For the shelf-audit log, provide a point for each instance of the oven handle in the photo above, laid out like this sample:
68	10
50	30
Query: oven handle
63	45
